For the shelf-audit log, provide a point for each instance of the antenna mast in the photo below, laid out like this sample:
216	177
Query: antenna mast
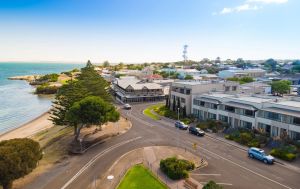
185	53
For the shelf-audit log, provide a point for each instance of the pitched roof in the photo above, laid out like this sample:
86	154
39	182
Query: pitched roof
136	84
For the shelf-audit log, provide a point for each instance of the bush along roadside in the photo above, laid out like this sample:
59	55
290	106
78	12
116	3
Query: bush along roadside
247	137
175	168
166	112
285	152
213	125
282	150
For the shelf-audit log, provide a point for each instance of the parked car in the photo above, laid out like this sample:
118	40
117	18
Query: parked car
196	131
181	125
260	155
127	106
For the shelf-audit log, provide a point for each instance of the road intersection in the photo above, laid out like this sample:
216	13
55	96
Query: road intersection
228	164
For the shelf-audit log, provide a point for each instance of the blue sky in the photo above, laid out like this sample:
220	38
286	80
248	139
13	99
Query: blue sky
147	30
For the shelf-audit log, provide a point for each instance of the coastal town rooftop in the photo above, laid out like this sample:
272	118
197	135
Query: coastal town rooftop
136	84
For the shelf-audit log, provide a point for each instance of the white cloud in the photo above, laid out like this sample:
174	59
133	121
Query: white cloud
244	7
226	11
268	1
251	5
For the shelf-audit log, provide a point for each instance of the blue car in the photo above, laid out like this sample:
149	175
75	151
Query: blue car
181	125
260	155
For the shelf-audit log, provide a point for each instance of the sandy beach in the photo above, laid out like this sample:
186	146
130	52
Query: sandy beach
38	124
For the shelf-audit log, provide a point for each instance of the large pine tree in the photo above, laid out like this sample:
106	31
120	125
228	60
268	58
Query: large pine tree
88	83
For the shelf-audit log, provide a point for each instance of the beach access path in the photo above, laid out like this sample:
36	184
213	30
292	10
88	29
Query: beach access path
28	129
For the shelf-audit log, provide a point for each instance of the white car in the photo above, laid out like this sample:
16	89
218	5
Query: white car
127	106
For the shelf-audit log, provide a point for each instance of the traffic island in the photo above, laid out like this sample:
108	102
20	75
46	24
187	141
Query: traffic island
150	158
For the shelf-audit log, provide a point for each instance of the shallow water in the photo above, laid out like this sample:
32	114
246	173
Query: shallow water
18	104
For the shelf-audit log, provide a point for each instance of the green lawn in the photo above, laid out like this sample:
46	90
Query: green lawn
140	177
148	111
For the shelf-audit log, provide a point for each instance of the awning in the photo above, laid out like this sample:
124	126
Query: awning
240	105
214	101
283	111
119	94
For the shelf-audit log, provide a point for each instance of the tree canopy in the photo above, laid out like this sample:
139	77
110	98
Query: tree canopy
88	83
18	157
188	77
271	64
242	80
280	87
106	64
91	110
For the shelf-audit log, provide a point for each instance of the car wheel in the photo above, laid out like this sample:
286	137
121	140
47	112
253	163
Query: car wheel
265	161
251	155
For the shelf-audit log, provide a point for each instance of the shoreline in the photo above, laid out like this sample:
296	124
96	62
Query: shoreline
30	128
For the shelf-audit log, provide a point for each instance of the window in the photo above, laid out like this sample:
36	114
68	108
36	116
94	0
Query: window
247	125
223	118
188	91
212	116
181	90
249	113
202	103
229	108
234	88
214	106
227	88
296	120
273	116
182	100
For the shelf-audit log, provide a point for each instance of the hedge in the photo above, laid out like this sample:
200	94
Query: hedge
176	168
212	185
283	153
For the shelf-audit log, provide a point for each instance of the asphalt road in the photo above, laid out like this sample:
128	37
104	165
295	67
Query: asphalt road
228	165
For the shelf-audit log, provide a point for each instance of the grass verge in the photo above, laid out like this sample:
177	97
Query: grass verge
140	177
148	111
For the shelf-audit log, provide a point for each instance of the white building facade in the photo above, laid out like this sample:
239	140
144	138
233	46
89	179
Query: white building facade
268	114
181	92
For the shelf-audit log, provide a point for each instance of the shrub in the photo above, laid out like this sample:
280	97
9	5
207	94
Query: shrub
245	138
46	89
254	143
49	77
228	137
262	139
213	125
283	153
212	185
176	168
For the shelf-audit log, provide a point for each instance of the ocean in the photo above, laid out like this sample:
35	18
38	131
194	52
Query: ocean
18	104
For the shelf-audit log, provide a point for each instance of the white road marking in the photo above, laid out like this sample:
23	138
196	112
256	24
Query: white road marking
87	165
258	174
204	174
220	183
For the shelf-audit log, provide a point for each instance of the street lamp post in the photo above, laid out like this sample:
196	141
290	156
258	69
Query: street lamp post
178	128
110	178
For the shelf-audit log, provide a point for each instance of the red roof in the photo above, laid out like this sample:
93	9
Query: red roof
154	76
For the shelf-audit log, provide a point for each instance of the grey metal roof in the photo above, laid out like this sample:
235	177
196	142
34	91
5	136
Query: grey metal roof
240	105
283	111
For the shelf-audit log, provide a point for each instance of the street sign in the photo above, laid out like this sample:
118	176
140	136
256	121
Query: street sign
195	146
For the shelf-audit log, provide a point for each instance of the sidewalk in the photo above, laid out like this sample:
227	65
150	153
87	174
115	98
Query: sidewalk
150	157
